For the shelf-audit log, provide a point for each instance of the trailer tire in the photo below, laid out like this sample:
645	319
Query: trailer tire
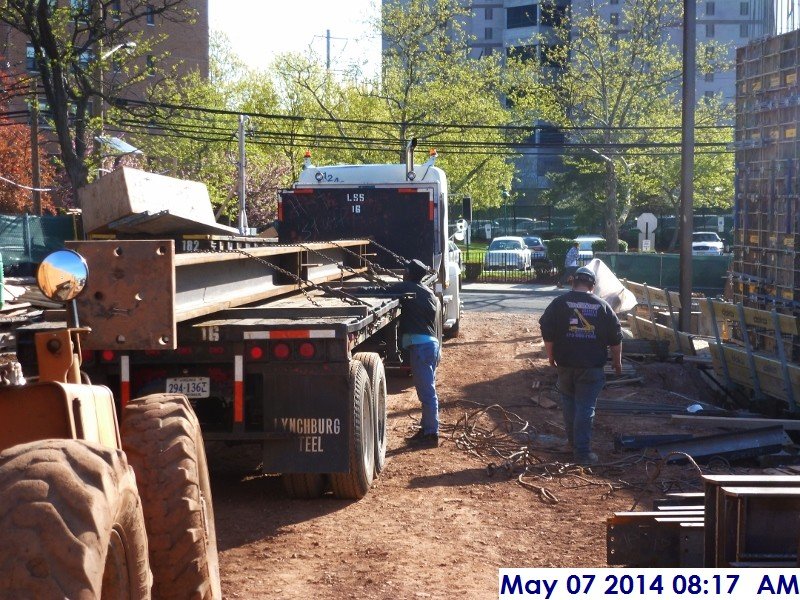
303	486
71	523
162	437
361	452
377	377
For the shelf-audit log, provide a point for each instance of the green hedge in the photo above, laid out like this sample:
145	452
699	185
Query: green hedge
600	246
557	249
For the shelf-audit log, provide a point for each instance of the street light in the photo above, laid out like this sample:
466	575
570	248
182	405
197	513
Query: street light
101	84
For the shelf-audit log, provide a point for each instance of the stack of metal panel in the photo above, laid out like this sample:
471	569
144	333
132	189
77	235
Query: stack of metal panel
737	521
766	265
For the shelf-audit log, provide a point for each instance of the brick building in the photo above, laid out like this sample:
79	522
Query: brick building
186	46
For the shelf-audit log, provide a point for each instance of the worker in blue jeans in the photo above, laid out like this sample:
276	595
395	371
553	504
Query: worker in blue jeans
578	329
419	314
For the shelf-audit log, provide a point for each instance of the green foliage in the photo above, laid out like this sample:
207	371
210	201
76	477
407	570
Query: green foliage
207	150
613	88
557	249
602	246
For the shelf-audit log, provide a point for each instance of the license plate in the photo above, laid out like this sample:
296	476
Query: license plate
191	387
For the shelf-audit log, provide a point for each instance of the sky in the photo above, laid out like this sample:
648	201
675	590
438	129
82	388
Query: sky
260	29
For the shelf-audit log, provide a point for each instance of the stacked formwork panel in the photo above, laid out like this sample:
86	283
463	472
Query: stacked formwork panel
766	266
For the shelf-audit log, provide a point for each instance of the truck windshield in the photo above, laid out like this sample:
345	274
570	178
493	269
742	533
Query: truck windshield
399	220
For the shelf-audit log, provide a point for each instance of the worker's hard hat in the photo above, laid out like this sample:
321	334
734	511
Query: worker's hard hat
585	274
416	269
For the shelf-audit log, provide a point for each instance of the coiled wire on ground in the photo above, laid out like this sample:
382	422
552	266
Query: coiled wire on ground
507	441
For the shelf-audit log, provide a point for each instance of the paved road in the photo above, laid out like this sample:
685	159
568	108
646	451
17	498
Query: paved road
510	298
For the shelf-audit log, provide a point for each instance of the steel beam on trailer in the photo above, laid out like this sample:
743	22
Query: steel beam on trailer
138	290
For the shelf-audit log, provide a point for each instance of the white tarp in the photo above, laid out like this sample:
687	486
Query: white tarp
609	288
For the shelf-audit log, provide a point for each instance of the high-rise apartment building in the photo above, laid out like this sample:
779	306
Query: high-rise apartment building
507	25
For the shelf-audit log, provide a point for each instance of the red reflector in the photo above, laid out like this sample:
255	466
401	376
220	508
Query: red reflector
407	190
281	351
430	210
303	190
280	209
307	350
256	353
184	350
108	355
216	350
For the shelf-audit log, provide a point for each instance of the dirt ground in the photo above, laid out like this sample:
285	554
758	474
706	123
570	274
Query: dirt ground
438	523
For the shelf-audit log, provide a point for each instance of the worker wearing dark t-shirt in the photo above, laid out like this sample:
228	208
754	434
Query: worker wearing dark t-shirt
419	312
578	329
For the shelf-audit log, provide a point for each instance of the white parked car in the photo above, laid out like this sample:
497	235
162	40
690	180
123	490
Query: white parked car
707	243
507	252
585	252
537	247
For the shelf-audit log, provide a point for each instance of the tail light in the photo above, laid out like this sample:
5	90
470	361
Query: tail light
108	355
256	352
307	350
281	351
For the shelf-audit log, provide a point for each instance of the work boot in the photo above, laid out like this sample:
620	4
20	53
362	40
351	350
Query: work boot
589	458
423	440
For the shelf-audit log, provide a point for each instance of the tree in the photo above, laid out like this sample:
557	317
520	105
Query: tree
15	158
429	88
73	47
188	131
610	82
656	176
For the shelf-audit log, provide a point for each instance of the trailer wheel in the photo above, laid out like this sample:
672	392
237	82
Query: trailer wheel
303	486
71	523
377	377
161	435
361	446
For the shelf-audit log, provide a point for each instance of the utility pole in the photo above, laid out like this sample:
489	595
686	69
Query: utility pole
243	227
328	50
687	162
36	173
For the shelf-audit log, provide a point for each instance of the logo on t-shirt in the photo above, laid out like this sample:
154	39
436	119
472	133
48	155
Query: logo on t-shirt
579	325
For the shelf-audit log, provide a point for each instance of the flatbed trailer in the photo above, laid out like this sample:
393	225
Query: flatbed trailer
298	371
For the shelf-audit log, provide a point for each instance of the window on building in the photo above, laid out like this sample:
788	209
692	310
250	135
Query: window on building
614	2
81	9
523	53
710	8
85	59
708	95
30	59
488	33
488	14
151	15
744	30
709	77
116	9
521	16
709	30
553	15
744	8
614	19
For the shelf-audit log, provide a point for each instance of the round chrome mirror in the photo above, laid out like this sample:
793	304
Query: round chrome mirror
62	275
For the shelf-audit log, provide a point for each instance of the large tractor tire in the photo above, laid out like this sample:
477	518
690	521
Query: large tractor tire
71	523
303	486
377	378
361	446
161	436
